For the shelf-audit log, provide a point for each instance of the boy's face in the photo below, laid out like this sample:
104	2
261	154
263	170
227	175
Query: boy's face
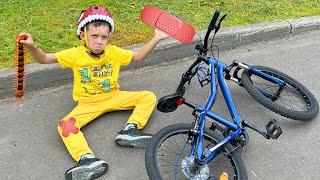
98	37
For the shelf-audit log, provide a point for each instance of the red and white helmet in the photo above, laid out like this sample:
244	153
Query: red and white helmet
94	13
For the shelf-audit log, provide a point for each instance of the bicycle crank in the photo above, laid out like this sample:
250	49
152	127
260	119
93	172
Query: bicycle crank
273	130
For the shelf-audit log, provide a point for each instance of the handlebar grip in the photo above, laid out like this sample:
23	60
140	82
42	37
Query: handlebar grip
214	20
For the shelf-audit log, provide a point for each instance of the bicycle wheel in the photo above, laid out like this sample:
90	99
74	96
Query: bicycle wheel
295	101
169	157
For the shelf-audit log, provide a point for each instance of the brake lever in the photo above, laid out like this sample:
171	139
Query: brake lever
217	27
214	19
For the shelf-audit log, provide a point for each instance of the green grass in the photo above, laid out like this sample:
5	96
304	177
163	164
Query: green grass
53	23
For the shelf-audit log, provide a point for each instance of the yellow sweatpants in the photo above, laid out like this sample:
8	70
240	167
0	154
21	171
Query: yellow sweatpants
89	108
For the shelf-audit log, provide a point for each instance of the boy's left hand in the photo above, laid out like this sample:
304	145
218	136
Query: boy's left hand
160	34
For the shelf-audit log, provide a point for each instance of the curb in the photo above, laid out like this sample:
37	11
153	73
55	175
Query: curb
45	76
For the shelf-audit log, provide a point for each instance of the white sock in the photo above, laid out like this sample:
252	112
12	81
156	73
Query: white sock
130	125
85	156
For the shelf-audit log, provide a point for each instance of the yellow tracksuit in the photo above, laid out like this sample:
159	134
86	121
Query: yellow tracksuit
96	89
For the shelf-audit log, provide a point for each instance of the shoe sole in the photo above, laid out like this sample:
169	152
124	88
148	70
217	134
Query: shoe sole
139	143
82	173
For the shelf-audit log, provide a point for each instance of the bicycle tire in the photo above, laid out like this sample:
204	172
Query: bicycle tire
176	132
294	92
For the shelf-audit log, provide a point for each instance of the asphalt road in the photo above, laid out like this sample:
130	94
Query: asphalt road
30	147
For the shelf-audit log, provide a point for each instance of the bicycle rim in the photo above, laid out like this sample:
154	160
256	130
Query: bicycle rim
173	160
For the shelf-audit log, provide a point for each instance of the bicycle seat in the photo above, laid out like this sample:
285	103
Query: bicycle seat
169	103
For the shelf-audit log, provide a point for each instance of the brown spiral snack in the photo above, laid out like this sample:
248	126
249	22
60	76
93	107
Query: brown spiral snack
19	71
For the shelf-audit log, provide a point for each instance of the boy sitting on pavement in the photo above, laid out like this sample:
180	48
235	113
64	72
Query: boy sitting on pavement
96	67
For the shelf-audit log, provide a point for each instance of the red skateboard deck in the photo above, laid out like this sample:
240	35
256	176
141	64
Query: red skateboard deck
168	23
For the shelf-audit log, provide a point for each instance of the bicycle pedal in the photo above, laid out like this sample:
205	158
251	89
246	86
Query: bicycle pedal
273	129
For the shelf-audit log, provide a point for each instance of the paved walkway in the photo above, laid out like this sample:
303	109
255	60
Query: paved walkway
32	149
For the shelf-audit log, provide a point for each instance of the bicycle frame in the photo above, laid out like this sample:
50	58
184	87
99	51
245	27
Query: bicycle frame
205	112
217	67
196	164
219	72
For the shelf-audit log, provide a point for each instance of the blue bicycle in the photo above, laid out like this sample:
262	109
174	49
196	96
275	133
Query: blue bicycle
192	151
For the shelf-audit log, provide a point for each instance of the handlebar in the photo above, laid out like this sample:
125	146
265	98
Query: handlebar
203	49
211	27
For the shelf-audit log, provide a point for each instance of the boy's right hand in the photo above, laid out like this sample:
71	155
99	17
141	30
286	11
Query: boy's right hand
29	43
37	53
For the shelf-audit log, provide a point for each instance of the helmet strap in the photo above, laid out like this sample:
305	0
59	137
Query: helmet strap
86	36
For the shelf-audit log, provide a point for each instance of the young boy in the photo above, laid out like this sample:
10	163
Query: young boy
95	67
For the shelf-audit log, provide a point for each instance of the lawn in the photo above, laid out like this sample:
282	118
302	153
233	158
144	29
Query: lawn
53	23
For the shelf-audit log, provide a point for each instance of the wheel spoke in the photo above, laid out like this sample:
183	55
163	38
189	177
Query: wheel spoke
173	159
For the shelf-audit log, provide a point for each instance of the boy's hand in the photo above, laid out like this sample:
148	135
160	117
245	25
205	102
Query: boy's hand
158	34
143	51
37	53
29	43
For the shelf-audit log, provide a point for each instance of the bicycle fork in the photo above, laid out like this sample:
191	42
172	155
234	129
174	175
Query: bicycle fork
272	79
235	77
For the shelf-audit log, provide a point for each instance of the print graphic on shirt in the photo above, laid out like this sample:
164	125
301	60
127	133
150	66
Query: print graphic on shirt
104	70
105	85
96	79
85	78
